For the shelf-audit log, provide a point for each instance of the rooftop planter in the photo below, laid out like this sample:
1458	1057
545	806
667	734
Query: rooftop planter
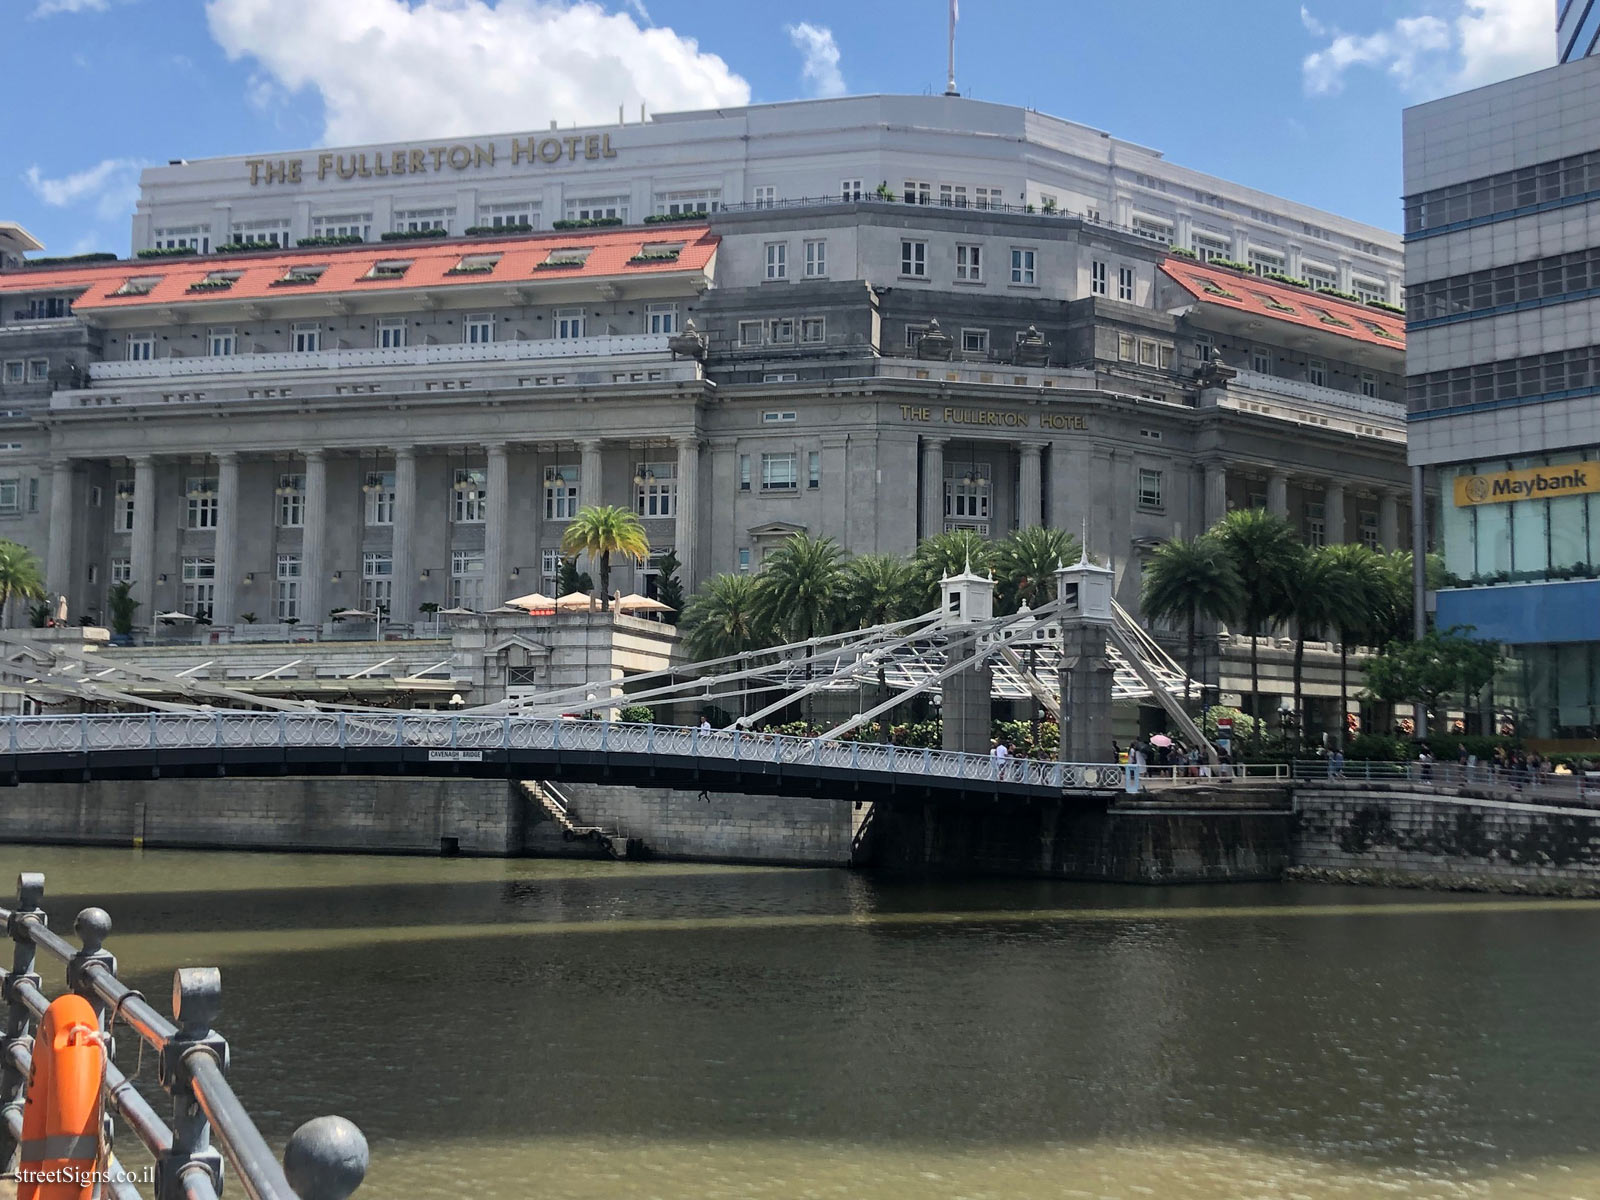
1288	280
1338	295
1385	306
210	285
560	265
246	247
168	252
475	269
294	281
497	230
69	260
699	214
412	235
1232	265
655	256
1180	252
337	239
587	223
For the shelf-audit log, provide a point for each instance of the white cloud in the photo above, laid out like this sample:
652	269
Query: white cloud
641	10
398	69
819	58
1473	43
112	185
46	8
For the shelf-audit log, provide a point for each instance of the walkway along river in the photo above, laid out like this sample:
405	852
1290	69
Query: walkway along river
586	1031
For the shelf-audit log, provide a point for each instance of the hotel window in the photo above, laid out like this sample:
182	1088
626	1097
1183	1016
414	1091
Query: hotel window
598	208
122	570
1022	265
1206	247
1149	353
917	192
570	323
477	329
1317	372
966	492
851	189
987	197
10	495
969	263
14	368
1127	347
813	470
661	317
1266	262
415	220
813	331
389	268
305	337
550	571
1150	489
749	333
343	225
122	506
1261	361
975	341
33	486
1316	525
744	559
377	581
291	493
914	259
141	348
43	308
379	491
777	260
1369	531
677	204
274	233
1167	355
391	333
1125	284
38	370
561	492
466	579
1319	277
1369	290
1369	384
953	195
655	489
221	342
286	598
766	195
184	237
816	259
1153	230
779	473
469	486
502	216
199	586
744	472
1099	274
780	331
200	494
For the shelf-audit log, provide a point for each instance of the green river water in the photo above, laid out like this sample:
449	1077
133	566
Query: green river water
578	1031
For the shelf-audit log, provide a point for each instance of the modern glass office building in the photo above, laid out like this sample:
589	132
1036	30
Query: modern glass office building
1577	28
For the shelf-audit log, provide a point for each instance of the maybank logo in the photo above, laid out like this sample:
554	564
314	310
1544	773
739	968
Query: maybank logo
1537	483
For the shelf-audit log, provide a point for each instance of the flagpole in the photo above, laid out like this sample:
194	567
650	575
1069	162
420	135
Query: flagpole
950	84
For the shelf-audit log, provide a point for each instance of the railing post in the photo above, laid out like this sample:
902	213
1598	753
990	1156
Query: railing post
196	997
19	1021
83	732
650	738
738	745
150	732
93	926
399	730
283	729
455	731
694	742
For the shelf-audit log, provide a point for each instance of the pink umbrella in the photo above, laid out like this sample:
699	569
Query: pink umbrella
1161	739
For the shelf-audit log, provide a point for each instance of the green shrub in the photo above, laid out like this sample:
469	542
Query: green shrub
70	260
332	239
168	252
587	223
498	230
246	247
667	218
412	235
638	714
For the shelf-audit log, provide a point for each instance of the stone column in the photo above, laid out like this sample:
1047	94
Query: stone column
58	559
686	516
1216	492
1278	494
1388	520
402	607
1030	486
226	551
143	543
495	569
589	481
313	570
932	486
1333	513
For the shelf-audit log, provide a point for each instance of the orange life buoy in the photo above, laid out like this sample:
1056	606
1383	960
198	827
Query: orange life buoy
61	1117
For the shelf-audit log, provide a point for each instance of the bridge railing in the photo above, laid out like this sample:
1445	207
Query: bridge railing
325	1159
1524	784
469	732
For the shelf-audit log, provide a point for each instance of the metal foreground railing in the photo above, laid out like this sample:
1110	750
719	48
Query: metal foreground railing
325	1159
235	730
1525	785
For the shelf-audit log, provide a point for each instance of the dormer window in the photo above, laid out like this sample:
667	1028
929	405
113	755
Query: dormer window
300	276
1327	318
653	252
215	281
566	257
474	264
138	285
389	268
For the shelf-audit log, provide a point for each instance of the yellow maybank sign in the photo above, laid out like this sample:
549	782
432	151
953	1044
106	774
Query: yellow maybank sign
1537	483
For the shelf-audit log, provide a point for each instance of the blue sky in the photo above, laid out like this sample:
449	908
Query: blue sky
1301	100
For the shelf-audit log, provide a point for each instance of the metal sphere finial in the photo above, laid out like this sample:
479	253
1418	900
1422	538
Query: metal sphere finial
326	1159
93	926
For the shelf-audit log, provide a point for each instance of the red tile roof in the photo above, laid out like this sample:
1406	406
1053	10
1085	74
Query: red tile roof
348	268
1281	302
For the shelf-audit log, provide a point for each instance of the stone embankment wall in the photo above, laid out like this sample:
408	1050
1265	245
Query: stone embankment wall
1370	833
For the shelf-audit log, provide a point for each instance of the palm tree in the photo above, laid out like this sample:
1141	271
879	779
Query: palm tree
801	587
946	554
1263	549
723	619
1367	602
1026	565
1188	580
880	589
20	575
1322	593
603	530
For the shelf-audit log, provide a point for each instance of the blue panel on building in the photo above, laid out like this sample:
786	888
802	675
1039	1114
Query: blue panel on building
1526	612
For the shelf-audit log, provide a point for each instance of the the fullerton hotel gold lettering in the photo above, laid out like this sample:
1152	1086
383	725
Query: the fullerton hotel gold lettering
992	418
424	160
